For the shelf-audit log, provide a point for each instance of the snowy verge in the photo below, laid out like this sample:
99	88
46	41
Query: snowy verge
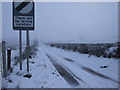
43	74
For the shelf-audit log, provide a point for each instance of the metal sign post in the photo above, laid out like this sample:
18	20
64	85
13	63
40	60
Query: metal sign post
23	19
28	49
20	49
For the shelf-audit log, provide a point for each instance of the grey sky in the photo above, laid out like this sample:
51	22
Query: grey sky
74	22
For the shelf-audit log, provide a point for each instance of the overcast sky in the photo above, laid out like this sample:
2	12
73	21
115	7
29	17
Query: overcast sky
92	22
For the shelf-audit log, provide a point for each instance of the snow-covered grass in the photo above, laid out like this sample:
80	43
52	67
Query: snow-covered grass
111	50
45	75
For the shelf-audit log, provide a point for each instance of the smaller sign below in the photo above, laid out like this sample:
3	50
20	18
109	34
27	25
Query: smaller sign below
23	21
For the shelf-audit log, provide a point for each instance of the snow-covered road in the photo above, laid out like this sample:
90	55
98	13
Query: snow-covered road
86	70
56	68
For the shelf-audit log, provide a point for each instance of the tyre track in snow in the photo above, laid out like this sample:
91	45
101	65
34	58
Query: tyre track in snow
69	77
91	71
66	69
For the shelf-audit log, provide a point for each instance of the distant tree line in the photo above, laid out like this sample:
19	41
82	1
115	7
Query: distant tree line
107	50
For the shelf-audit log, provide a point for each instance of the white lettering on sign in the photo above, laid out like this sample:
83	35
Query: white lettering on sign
23	21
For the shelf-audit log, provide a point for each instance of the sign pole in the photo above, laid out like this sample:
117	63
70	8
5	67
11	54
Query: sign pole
28	48
20	49
23	19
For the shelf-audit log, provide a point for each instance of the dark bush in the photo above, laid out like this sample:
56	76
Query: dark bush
93	49
83	49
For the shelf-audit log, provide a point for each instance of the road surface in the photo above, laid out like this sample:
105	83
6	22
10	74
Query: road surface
57	68
78	74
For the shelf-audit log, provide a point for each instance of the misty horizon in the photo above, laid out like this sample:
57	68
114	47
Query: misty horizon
83	22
